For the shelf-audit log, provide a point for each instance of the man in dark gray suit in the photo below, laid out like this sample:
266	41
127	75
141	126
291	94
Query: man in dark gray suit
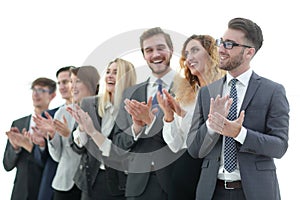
258	134
19	151
139	130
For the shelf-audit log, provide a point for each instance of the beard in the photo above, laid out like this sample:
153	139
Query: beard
160	70
233	62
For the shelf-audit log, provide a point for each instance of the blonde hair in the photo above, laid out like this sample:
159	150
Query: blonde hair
126	77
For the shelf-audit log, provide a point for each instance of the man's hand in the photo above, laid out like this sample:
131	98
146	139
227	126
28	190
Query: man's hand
223	126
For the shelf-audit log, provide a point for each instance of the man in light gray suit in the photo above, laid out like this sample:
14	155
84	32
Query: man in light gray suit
258	134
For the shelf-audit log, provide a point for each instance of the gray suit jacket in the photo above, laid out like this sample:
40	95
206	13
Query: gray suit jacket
28	169
144	151
267	123
87	171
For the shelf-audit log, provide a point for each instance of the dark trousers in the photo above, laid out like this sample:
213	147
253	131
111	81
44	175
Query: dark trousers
185	176
229	194
100	190
73	194
153	190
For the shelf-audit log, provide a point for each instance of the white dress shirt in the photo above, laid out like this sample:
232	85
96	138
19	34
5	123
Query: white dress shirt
167	81
175	132
241	86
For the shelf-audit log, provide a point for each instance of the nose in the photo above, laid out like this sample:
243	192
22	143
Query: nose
189	56
155	53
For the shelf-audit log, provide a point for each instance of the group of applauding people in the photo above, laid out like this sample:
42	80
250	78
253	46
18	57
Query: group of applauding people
210	130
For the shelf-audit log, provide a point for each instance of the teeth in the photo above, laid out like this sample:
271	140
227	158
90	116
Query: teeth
157	61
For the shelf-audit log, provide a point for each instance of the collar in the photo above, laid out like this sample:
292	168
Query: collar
167	79
243	78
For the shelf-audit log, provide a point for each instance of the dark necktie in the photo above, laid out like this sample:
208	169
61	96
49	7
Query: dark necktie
158	82
230	158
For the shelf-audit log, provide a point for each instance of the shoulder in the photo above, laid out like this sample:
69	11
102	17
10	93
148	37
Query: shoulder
22	119
265	82
89	101
130	90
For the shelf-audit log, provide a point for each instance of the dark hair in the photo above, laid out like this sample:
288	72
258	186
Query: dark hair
89	76
155	31
63	69
252	31
51	84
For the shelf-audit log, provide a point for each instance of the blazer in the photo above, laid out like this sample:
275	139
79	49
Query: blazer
61	152
144	151
89	166
267	123
28	170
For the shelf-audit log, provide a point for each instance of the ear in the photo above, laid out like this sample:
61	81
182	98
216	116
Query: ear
250	53
53	95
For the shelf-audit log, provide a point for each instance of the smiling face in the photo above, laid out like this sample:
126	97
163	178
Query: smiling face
79	89
110	77
237	59
196	57
157	54
64	85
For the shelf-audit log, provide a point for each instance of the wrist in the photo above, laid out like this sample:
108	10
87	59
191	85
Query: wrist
168	118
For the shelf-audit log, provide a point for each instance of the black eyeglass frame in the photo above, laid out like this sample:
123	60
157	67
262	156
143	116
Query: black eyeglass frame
229	43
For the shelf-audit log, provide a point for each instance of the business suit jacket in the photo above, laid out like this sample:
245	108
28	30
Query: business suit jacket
61	152
145	150
90	163
267	123
28	170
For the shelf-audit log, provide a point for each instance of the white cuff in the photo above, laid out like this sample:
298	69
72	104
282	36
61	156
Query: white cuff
80	138
105	147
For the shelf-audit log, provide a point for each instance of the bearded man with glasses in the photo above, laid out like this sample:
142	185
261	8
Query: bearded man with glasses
240	123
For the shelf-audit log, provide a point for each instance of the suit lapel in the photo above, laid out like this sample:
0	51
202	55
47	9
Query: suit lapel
252	87
216	88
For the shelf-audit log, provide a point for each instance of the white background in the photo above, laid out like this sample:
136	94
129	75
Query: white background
37	38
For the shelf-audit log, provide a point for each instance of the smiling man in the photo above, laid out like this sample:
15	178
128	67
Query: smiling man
139	130
240	124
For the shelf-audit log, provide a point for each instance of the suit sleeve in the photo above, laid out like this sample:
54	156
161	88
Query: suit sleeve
199	141
267	123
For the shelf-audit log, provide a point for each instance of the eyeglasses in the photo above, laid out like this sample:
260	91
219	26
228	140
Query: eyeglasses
229	44
40	90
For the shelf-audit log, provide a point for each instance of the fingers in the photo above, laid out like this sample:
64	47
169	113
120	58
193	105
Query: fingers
217	122
48	116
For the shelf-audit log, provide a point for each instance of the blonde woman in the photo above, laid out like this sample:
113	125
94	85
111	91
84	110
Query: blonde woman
97	175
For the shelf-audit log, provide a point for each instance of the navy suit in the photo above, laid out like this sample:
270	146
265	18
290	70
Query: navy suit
267	123
44	158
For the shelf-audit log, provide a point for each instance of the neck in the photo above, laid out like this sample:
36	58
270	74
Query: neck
202	81
39	111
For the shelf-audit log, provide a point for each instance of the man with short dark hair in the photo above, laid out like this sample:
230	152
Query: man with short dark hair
240	123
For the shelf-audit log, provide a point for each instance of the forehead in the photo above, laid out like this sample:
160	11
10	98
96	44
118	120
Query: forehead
193	43
233	35
73	76
40	86
63	75
155	40
112	66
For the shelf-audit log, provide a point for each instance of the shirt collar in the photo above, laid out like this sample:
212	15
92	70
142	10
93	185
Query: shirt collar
243	78
167	79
